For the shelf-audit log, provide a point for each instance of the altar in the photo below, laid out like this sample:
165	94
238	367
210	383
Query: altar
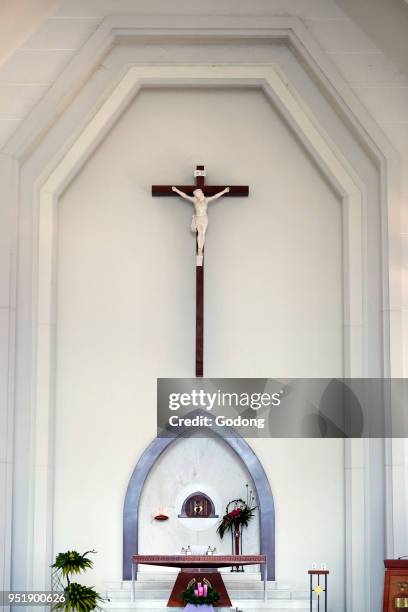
193	566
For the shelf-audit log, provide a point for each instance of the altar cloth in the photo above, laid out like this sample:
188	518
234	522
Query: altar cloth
198	608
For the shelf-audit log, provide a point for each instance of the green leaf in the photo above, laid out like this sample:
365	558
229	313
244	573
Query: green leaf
79	598
72	562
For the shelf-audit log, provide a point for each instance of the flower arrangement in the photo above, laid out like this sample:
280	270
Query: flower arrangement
78	598
200	594
238	513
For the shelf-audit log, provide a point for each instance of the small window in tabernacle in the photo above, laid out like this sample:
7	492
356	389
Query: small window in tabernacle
198	505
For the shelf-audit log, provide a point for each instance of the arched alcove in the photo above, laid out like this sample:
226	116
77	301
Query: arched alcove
263	493
198	505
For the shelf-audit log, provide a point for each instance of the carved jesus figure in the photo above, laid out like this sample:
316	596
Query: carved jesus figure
199	222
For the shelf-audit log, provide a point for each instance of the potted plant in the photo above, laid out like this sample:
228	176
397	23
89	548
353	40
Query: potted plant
78	598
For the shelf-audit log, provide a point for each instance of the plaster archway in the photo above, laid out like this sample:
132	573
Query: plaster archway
245	454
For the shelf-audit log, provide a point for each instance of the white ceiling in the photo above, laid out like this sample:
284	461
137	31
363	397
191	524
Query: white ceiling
18	19
384	21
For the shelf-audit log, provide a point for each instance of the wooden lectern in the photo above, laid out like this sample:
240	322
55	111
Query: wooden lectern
395	585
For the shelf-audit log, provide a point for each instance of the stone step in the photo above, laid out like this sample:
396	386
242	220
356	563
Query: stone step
226	573
278	605
162	583
241	594
302	594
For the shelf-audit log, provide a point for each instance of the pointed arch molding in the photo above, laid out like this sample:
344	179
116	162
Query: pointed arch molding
55	141
244	452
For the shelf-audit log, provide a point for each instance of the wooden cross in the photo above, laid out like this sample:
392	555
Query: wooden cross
208	190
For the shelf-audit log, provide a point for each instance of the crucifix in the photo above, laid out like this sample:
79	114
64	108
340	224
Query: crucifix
200	195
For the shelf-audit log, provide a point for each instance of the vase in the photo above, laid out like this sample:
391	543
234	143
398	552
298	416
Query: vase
236	534
237	541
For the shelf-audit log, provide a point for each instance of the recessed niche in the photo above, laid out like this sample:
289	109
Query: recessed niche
198	505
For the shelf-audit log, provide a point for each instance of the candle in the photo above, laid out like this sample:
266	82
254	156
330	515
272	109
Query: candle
205	590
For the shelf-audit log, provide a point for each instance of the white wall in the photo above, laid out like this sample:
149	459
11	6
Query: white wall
31	72
307	478
126	309
382	88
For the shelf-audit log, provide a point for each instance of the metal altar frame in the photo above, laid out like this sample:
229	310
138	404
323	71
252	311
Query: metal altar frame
184	563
